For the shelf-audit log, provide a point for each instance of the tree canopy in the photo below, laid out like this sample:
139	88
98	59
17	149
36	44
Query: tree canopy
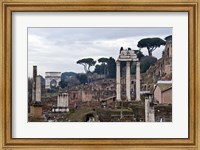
87	63
108	67
139	54
99	69
145	63
103	60
82	78
111	68
151	44
63	84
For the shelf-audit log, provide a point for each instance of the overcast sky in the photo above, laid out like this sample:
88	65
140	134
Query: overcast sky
58	49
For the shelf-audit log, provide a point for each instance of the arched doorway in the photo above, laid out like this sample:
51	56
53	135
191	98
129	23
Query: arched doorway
53	83
90	118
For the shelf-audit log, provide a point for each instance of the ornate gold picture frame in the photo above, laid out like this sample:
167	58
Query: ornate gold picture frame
10	6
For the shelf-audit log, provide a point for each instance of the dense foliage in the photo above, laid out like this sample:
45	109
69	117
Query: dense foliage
145	63
151	44
107	67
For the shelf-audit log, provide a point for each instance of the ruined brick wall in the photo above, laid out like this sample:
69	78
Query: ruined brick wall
157	95
167	96
87	95
168	69
168	49
75	95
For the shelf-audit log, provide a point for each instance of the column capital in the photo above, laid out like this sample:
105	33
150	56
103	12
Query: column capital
117	62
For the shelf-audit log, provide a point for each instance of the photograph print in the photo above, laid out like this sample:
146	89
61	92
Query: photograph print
117	74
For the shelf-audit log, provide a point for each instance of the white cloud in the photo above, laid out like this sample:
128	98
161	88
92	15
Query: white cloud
58	49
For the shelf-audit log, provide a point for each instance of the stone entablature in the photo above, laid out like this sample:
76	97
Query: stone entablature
53	74
127	55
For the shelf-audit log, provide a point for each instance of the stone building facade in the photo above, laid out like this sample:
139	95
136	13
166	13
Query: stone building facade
167	58
167	96
163	93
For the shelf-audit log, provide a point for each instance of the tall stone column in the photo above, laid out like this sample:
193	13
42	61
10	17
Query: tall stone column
128	81
118	85
38	89
34	83
137	81
149	110
67	98
63	100
58	100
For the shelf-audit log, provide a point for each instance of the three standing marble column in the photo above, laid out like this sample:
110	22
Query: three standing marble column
128	81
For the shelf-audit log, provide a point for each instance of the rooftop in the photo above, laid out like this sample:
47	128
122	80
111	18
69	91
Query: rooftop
164	86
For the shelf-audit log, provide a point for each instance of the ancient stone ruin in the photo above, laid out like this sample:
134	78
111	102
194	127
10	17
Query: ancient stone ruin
36	105
52	79
127	56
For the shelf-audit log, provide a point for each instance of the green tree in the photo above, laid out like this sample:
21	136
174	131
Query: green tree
145	63
151	44
87	63
111	68
63	84
139	54
82	78
99	69
103	62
